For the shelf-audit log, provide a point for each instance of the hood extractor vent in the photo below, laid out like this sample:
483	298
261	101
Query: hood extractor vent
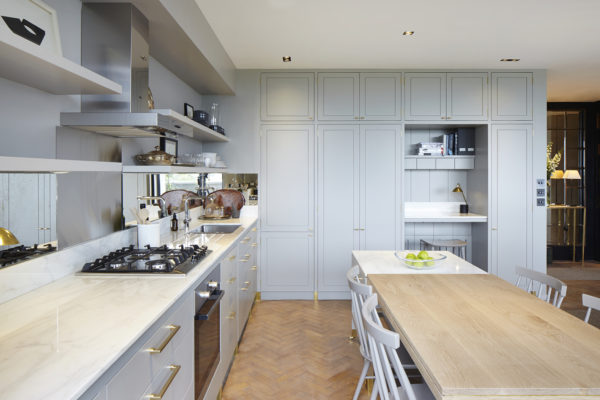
114	44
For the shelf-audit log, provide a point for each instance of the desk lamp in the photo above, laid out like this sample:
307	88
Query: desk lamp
7	237
464	208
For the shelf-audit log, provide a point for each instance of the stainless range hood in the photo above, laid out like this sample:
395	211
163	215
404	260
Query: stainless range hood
114	43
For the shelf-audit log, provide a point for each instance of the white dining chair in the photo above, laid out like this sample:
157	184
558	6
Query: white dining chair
383	346
359	292
542	285
590	302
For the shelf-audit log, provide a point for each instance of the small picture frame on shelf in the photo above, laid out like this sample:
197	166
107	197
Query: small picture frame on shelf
169	146
36	21
188	110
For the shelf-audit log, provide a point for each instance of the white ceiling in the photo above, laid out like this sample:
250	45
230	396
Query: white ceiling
562	36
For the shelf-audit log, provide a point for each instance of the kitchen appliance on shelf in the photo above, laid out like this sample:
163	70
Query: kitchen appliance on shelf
207	331
150	260
23	253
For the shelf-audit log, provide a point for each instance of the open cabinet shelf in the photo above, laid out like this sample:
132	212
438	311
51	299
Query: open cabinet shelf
31	65
53	165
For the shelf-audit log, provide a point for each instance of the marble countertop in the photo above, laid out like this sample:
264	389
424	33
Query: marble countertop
386	262
451	217
438	212
56	341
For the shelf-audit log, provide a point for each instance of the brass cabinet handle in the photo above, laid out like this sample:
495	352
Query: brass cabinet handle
253	268
247	283
174	329
175	369
244	259
253	245
231	280
231	258
253	229
231	315
246	240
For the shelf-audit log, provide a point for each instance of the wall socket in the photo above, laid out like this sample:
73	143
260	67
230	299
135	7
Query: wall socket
540	182
541	202
541	192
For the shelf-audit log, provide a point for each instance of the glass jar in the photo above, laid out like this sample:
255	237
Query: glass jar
215	116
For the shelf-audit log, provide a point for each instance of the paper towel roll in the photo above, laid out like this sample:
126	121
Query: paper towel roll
148	234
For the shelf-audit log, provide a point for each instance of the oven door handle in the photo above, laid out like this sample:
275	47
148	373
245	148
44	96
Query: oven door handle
204	317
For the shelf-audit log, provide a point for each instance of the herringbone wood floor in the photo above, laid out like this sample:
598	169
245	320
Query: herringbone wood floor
296	350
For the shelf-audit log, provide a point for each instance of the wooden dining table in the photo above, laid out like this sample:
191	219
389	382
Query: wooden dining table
476	336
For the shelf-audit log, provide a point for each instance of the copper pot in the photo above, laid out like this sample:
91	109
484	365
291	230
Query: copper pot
155	157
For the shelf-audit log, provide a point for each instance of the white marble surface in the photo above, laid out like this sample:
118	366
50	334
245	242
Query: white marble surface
386	262
56	341
438	212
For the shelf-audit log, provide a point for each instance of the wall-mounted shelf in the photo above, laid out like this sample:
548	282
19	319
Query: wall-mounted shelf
199	132
53	165
30	65
170	169
439	162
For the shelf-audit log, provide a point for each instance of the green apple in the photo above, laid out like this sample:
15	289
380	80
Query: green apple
410	256
423	255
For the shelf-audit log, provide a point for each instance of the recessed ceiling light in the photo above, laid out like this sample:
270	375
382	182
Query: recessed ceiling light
408	33
287	59
510	59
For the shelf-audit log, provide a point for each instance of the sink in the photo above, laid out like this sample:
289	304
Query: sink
215	228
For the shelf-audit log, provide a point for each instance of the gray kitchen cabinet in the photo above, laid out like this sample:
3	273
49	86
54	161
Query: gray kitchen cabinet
511	199
366	96
148	372
338	96
512	96
287	177
287	265
229	306
247	276
287	96
359	197
467	96
446	96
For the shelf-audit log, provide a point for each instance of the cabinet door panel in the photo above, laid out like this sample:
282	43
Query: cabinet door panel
287	96
287	177
287	261
338	96
467	96
338	210
425	96
512	96
381	96
511	170
380	187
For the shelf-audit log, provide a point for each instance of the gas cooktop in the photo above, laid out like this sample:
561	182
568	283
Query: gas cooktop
22	253
149	260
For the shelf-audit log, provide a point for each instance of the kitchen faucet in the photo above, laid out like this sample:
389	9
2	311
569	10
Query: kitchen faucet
187	219
163	204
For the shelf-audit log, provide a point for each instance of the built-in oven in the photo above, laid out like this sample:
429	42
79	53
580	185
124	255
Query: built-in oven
207	332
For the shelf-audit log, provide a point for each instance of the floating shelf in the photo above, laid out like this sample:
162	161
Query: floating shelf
170	169
439	162
53	165
33	66
199	132
439	157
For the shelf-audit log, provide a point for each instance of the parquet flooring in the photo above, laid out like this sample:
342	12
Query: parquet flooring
296	350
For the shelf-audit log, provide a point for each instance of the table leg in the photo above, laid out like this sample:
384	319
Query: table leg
583	239
574	232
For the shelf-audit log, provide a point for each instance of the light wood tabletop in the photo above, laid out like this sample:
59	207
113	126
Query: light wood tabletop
478	336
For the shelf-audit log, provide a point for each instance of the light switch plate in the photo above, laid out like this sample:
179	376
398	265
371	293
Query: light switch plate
541	192
541	202
541	182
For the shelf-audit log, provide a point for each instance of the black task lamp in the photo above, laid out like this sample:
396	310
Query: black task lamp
464	208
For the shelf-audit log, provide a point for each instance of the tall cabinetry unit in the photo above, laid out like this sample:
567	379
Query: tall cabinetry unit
359	201
287	176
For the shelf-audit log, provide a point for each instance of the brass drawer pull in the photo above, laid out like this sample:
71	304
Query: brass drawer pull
231	258
244	259
231	280
231	315
175	369
247	283
253	268
174	329
253	229
254	244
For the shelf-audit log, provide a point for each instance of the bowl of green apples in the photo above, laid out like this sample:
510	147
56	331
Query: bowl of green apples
420	259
